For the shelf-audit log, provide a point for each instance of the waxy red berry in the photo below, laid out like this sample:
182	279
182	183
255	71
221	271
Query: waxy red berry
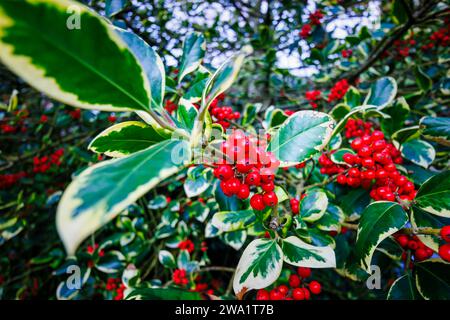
262	295
257	202
223	172
298	294
444	252
270	199
304	272
315	287
244	192
294	281
445	233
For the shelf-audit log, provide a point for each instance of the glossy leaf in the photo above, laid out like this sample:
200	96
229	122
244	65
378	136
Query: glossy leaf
300	254
87	67
434	195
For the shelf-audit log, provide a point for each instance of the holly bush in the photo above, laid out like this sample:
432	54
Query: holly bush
150	154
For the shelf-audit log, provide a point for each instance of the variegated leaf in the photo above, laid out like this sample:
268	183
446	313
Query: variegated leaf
378	221
70	53
227	221
151	63
301	254
419	152
382	92
125	138
102	191
433	279
434	195
194	47
301	136
260	266
313	206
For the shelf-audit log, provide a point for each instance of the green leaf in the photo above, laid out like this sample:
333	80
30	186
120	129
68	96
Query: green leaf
224	76
313	206
301	254
419	152
339	111
225	203
301	136
194	47
250	111
382	92
260	266
227	221
332	219
194	94
399	112
399	12
125	138
423	80
87	67
151	62
186	114
380	220
434	195
163	294
277	117
103	190
111	262
352	98
433	279
235	239
403	288
436	129
166	259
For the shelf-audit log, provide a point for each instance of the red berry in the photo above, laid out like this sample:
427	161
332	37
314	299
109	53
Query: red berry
294	281
354	172
257	202
243	167
270	199
269	186
403	240
348	158
262	295
382	174
377	135
283	289
223	172
367	162
233	185
444	252
445	233
304	272
341	179
365	151
298	294
307	294
244	192
253	179
357	144
409	186
413	245
421	254
315	287
275	295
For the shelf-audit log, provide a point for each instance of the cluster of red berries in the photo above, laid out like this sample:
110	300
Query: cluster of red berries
222	114
305	31
75	114
44	163
444	250
114	284
346	53
297	290
402	47
91	249
7	128
251	166
315	17
179	277
357	128
313	97
295	204
440	37
419	251
339	90
170	106
372	167
9	179
201	286
187	245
